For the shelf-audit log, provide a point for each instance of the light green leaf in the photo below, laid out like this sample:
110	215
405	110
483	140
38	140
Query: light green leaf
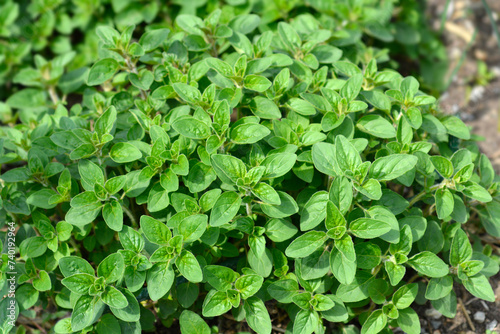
257	316
102	71
306	244
225	208
124	152
392	166
428	264
192	323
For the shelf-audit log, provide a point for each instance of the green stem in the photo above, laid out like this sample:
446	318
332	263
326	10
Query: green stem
130	216
423	193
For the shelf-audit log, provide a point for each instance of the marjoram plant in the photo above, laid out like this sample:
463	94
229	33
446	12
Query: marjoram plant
215	167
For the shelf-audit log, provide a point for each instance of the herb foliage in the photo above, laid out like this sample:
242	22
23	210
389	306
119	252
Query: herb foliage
237	162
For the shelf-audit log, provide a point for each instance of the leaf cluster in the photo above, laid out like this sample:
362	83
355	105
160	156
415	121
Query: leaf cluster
239	163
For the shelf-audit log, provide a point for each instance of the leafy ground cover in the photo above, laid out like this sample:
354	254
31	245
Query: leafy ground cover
257	161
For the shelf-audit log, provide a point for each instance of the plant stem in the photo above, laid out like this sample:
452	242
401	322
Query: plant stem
130	216
249	209
53	95
422	194
133	69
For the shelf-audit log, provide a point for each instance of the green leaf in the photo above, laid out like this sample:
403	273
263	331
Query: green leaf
405	296
323	155
70	265
405	242
306	244
131	312
111	268
33	247
189	267
257	83
225	208
16	175
351	88
287	207
341	193
155	231
102	71
444	203
114	298
289	36
249	133
283	290
28	98
216	303
79	283
346	247
301	107
456	127
188	93
395	272
368	228
378	99
479	287
113	215
391	167
475	191
124	152
433	239
439	287
219	277
343	269
131	239
377	126
442	165
245	24
85	207
334	217
278	164
228	168
90	174
266	193
314	211
159	280
108	324
306	322
191	127
153	38
279	230
42	282
375	323
257	316
248	285
429	264
83	312
368	255
192	323
264	108
346	154
192	227
220	66
408	321
447	305
461	249
314	266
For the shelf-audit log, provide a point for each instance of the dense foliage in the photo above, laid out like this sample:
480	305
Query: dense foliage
240	163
